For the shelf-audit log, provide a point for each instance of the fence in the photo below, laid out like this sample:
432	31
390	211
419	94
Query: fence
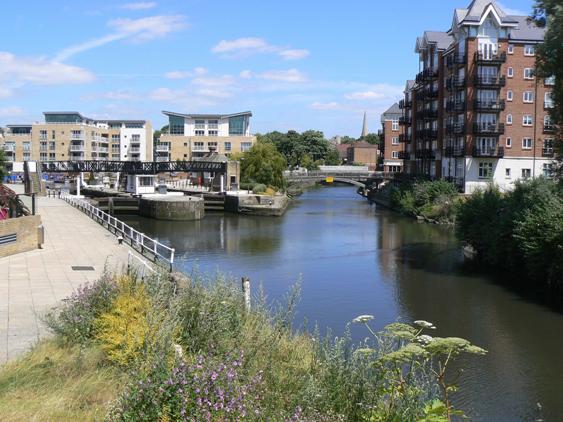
137	240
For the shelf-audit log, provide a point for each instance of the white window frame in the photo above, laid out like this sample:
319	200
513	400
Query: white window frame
527	118
510	48
508	142
509	119
530	95
395	154
526	143
227	145
548	100
531	73
507	173
528	48
395	140
509	95
510	72
394	125
526	173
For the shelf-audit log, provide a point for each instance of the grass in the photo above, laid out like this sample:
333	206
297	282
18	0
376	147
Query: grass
53	382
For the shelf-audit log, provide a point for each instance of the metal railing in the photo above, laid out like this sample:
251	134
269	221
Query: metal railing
137	240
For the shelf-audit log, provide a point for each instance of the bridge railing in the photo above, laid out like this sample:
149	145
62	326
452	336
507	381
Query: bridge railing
139	241
351	175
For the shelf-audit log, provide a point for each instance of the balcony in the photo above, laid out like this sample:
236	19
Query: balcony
454	152
455	82
455	129
77	136
430	114
427	75
429	94
77	147
488	59
455	106
490	81
428	134
404	155
548	129
134	150
405	120
405	137
455	59
76	157
9	148
429	154
405	103
162	148
163	159
488	152
491	129
495	105
547	152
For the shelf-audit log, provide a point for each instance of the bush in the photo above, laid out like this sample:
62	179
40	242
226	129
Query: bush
259	188
74	320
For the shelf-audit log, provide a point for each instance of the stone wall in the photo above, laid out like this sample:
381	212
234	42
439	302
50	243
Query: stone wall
175	208
25	229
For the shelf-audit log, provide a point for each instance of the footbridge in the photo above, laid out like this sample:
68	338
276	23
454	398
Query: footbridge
361	179
132	167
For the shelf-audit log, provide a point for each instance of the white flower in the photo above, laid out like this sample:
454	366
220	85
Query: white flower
424	339
362	319
425	324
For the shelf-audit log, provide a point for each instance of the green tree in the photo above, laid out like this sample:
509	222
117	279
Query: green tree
307	162
549	59
332	157
371	138
347	140
3	170
263	164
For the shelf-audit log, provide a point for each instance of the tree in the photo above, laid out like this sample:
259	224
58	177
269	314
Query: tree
371	138
549	58
347	140
263	164
3	170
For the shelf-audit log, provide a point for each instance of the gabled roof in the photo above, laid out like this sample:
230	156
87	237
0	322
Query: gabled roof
392	113
527	30
476	11
442	40
207	116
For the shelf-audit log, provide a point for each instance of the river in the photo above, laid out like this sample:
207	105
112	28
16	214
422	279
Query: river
355	258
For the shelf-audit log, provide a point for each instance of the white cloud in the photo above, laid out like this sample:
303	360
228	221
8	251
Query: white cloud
40	71
10	112
214	81
294	54
164	94
243	47
137	30
324	106
183	74
365	95
376	92
139	5
215	93
246	74
5	92
290	75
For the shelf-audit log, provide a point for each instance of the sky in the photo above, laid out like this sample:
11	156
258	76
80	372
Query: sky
299	65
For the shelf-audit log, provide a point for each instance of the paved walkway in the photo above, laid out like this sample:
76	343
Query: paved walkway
32	282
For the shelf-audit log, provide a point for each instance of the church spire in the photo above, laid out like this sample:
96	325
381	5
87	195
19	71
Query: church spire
365	126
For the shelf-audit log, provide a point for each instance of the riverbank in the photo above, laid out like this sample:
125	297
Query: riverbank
33	281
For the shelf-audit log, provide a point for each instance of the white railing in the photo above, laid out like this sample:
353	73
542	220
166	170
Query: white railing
137	240
139	266
162	148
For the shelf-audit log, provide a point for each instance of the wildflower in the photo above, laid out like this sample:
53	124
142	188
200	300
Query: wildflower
425	324
362	319
424	339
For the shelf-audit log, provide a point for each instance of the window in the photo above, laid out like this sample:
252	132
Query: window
507	173
526	173
200	124
51	145
394	125
134	125
237	125
548	170
212	145
227	146
509	95
527	120
510	49
526	143
114	138
52	134
245	146
529	50
185	144
395	140
528	97
395	154
509	119
43	156
528	73
198	146
549	81
136	138
510	72
485	170
146	180
199	133
213	124
509	142
548	100
52	156
27	146
213	133
43	134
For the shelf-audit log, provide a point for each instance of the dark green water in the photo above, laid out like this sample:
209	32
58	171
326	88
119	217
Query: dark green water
354	258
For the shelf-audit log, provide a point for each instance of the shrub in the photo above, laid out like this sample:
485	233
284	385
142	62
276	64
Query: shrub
259	188
124	329
74	320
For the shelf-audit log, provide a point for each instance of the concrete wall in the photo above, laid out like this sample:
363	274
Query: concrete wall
174	208
26	231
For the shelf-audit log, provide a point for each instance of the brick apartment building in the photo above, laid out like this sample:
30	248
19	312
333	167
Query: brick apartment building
69	136
475	112
390	136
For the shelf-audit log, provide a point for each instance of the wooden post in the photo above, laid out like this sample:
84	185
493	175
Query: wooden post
246	292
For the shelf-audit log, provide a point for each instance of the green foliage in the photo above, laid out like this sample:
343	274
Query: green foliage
371	138
259	188
521	231
3	171
436	200
263	164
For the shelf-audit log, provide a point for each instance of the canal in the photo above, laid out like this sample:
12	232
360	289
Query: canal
354	258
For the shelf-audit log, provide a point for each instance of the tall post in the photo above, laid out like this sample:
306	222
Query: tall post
246	292
78	186
32	204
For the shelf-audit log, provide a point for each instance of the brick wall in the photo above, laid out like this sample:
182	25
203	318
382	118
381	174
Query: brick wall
27	235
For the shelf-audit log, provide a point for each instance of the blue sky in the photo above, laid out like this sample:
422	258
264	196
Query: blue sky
295	64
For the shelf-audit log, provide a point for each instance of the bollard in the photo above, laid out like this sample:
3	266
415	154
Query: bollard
246	292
